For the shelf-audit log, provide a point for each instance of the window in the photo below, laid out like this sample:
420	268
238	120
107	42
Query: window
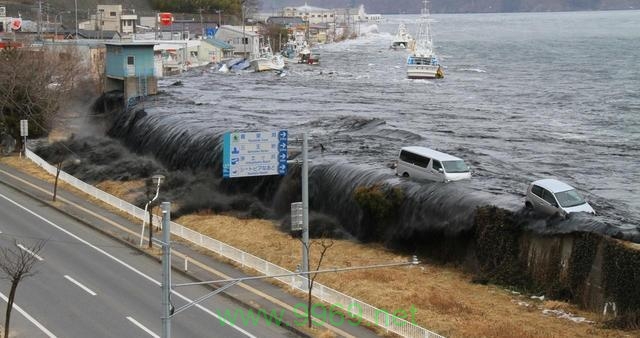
414	159
455	166
569	198
548	196
112	13
536	190
130	60
436	165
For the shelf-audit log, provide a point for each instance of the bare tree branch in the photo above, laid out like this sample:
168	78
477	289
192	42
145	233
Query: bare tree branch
17	262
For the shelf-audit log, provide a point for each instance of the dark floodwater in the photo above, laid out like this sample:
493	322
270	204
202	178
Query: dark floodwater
525	96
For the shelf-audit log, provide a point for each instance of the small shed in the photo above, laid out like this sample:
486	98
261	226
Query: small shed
130	68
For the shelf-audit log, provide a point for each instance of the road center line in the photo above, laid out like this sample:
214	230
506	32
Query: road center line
142	327
89	291
31	319
123	263
30	252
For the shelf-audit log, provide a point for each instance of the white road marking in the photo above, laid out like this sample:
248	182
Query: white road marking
30	252
89	291
142	327
31	319
121	262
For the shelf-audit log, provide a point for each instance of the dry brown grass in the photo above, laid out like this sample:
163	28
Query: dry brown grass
128	191
444	298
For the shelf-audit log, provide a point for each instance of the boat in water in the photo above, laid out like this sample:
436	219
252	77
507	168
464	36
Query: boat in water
266	60
422	62
306	56
402	39
296	43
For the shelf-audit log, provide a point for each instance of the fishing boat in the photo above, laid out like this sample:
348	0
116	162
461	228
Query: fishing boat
402	39
422	62
306	56
266	60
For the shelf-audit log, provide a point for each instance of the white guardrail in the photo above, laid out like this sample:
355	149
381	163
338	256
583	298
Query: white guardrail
357	308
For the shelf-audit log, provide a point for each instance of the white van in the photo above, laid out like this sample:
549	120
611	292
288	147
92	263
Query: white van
428	164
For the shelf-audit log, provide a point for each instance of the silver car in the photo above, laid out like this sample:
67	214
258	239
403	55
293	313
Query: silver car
552	197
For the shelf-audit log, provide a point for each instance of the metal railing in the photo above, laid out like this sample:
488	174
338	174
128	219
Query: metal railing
358	309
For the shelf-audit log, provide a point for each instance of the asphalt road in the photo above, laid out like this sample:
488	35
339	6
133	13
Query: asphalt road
90	285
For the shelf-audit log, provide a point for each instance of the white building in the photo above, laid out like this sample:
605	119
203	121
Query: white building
111	18
313	15
340	16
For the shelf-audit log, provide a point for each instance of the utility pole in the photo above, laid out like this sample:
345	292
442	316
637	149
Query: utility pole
166	270
244	37
305	204
76	8
201	24
219	11
40	20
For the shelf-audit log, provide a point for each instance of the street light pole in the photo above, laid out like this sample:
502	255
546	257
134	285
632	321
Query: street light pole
166	270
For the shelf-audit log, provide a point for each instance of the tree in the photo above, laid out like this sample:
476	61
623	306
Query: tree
16	264
58	157
325	244
34	85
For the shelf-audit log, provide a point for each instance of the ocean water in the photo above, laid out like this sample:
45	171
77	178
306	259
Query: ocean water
525	96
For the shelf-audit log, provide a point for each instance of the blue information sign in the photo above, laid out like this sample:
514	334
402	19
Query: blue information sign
254	154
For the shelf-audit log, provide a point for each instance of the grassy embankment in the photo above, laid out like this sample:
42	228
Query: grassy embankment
446	300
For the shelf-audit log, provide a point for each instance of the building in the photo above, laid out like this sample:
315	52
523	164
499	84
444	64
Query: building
245	43
111	18
130	67
214	51
310	14
339	16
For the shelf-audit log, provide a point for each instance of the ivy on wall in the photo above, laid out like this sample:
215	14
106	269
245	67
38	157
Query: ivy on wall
497	248
583	253
621	274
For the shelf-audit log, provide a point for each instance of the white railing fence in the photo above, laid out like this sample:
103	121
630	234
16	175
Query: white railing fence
358	309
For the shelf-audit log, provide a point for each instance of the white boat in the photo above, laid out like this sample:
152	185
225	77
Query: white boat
308	57
266	60
402	39
422	62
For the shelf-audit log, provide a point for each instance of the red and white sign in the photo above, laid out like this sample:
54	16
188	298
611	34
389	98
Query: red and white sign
166	19
16	24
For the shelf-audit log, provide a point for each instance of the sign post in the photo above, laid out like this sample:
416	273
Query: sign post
24	132
248	154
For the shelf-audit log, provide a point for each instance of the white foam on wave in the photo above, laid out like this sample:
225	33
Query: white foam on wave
475	70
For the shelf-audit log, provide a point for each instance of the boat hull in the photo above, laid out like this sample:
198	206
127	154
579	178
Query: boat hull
266	64
423	71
